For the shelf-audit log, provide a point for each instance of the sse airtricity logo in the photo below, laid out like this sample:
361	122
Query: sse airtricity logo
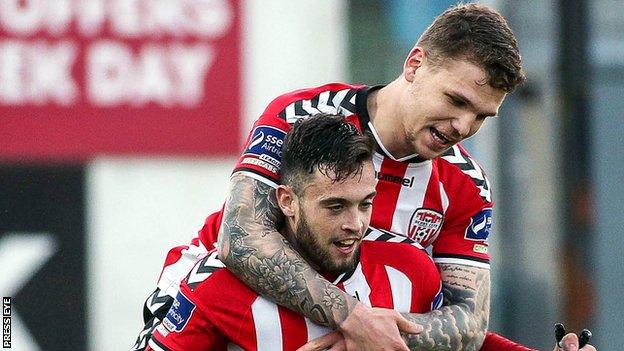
265	148
257	139
480	224
179	313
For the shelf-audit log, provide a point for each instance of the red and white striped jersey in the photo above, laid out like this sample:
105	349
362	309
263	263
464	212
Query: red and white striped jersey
444	202
216	311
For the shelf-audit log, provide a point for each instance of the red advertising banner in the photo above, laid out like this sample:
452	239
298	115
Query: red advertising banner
119	77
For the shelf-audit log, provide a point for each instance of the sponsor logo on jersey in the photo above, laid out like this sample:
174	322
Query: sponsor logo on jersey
179	313
265	148
267	141
408	182
480	224
424	226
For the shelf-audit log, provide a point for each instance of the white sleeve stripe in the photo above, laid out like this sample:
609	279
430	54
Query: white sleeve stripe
268	325
465	262
401	289
155	346
260	178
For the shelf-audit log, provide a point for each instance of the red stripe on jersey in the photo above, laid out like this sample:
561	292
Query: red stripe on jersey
246	336
495	342
340	286
355	120
381	295
384	203
294	329
209	232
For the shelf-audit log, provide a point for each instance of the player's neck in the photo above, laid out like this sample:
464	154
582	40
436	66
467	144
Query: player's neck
381	110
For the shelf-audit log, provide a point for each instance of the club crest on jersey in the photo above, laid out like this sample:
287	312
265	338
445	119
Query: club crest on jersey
179	313
265	148
424	226
480	224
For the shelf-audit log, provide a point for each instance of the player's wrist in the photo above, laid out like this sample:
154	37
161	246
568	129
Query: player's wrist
358	314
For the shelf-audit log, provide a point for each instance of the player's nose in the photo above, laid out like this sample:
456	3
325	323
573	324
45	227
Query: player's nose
354	221
463	124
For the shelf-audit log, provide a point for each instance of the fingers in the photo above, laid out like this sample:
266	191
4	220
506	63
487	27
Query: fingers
571	341
324	342
559	332
584	338
406	326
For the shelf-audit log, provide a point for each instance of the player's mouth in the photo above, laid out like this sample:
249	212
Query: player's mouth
346	246
441	138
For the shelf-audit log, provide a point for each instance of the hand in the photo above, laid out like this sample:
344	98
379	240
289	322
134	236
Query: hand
571	342
368	329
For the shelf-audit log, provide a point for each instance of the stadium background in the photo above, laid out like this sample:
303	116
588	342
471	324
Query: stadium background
120	121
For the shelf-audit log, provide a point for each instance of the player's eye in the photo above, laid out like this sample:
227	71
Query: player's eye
366	205
335	208
457	102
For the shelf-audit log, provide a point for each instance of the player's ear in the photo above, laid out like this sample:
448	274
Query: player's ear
414	60
286	199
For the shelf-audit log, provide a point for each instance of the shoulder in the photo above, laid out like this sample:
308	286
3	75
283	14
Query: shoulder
209	277
383	247
333	98
459	170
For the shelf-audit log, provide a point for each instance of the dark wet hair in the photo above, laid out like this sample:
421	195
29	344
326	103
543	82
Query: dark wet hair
325	142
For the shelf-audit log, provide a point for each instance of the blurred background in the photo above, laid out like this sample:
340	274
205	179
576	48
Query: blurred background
120	122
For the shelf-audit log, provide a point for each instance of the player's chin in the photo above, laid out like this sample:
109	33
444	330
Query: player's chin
430	150
344	266
339	262
431	153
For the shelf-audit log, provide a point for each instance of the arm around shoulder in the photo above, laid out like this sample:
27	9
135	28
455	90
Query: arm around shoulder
252	248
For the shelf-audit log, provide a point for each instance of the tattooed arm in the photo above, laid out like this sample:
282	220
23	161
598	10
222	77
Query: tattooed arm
462	322
252	248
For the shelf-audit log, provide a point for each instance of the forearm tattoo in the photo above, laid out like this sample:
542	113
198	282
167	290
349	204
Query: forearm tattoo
461	324
252	248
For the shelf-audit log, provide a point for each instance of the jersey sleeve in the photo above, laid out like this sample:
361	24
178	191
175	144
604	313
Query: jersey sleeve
410	270
463	238
262	156
427	287
495	342
430	288
186	327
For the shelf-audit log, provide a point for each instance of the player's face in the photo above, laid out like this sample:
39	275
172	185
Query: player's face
444	104
333	218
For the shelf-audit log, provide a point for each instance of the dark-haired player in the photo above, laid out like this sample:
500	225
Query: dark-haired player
328	186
